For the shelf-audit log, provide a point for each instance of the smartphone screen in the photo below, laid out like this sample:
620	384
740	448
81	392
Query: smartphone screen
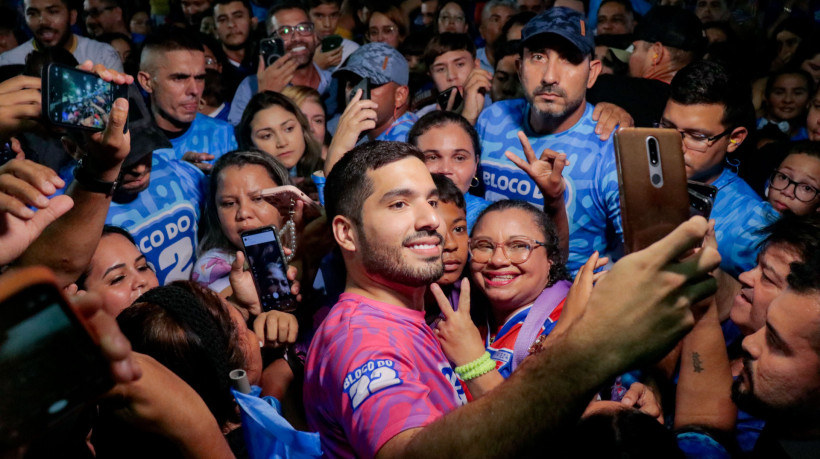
78	99
49	366
271	49
268	269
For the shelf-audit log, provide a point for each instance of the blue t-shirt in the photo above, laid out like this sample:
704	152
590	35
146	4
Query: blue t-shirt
399	129
474	207
204	135
165	217
591	196
739	215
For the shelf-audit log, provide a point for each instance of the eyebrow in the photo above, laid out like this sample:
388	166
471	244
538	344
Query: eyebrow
115	267
406	192
775	336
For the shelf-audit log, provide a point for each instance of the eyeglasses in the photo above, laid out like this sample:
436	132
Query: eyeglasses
694	140
802	191
446	19
375	32
516	250
95	13
304	28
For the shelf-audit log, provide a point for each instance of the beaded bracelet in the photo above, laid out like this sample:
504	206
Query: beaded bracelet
476	368
484	368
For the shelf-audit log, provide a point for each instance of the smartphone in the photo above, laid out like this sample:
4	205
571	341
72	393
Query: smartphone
652	182
331	42
709	191
50	368
77	99
443	99
268	269
271	49
364	85
700	204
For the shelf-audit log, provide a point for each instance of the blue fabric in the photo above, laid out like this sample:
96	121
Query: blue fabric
205	135
481	54
400	128
267	434
474	207
701	446
592	196
165	217
739	215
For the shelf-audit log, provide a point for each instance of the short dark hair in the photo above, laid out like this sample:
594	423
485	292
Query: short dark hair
245	3
625	3
521	18
348	186
285	5
799	235
805	277
503	48
558	268
448	191
317	3
439	118
169	38
446	42
709	82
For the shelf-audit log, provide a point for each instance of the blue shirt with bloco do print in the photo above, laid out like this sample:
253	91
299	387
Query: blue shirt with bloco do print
739	215
592	200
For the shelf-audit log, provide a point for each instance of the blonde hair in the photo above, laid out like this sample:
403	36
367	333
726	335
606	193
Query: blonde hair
300	94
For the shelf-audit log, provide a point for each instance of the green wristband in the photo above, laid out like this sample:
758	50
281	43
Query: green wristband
467	367
482	369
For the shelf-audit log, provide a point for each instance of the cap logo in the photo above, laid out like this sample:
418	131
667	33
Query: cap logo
583	28
384	64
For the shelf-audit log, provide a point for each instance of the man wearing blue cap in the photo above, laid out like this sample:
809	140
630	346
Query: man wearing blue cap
386	115
556	67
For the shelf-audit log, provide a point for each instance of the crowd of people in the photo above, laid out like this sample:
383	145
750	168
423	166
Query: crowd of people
442	180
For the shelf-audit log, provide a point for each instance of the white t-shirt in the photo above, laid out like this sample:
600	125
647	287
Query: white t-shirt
86	49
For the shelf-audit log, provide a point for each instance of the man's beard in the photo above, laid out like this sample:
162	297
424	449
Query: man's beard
387	262
746	399
555	117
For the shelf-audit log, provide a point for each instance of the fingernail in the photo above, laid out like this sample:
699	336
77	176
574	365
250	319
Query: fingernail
121	104
41	201
627	401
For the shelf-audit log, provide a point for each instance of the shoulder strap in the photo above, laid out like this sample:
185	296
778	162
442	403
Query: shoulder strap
543	306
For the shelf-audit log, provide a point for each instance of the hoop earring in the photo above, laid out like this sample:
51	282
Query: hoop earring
474	182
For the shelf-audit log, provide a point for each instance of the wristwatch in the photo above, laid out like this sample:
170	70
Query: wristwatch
91	183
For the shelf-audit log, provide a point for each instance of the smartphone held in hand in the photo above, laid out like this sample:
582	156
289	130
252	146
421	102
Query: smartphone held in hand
76	99
268	269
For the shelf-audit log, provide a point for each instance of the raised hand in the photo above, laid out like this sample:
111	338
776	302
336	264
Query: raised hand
546	171
276	329
198	160
20	101
359	116
278	75
479	83
609	116
460	339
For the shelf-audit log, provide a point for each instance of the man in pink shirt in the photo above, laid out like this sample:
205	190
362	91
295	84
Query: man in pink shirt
376	381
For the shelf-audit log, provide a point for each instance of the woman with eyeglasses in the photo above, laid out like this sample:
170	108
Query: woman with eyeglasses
452	17
795	185
387	24
518	272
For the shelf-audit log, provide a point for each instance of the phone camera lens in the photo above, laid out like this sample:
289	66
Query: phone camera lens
652	144
656	179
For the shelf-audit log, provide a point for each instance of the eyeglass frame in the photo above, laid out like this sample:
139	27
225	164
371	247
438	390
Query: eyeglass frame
706	142
792	182
307	24
381	32
95	13
496	245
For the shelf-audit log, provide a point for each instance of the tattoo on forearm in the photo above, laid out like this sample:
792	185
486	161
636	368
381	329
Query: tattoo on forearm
697	365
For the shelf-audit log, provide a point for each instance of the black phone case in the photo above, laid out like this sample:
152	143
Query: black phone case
120	91
271	49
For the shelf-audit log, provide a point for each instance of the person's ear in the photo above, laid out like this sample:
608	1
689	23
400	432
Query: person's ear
144	79
595	68
656	53
402	96
72	17
736	138
345	234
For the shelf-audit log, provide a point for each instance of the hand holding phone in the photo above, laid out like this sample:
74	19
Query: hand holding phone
78	99
331	42
268	268
451	100
364	85
50	367
271	49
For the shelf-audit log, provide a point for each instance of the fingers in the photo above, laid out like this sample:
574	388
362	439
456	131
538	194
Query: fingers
683	238
112	136
525	145
464	297
57	207
19	83
523	165
106	333
238	265
18	150
441	300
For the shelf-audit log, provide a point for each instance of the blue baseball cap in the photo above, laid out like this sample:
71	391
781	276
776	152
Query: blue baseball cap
378	61
563	22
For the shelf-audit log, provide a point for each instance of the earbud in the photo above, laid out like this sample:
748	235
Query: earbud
733	141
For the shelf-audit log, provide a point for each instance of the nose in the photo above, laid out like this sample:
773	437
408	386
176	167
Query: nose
499	258
326	22
450	244
427	218
550	75
241	211
747	278
752	343
789	190
281	141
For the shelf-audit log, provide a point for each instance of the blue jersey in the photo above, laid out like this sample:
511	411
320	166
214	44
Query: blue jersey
739	215
591	196
165	217
205	135
399	129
